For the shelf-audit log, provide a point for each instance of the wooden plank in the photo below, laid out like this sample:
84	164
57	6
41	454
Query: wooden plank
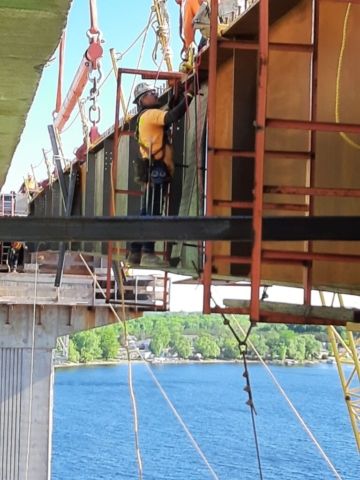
306	311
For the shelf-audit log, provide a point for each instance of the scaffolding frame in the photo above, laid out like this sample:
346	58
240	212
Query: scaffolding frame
119	131
259	255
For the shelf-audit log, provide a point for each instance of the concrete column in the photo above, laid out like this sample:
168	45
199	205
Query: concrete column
26	377
26	401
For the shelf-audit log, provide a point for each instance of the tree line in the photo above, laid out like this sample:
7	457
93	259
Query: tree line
198	336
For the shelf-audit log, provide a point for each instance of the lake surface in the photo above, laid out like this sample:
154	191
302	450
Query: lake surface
93	423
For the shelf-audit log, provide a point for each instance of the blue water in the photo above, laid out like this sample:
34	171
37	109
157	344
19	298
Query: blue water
93	433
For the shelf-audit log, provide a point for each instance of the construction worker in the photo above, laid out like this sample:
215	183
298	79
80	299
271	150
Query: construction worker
31	186
13	256
189	8
154	168
195	14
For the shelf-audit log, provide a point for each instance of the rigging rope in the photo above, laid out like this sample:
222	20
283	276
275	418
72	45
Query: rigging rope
130	382
298	416
173	409
128	354
32	367
338	79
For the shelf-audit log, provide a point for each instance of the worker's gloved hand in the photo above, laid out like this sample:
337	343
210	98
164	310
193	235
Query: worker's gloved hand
192	89
176	98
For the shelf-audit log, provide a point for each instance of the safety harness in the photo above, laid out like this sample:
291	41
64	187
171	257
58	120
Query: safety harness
151	168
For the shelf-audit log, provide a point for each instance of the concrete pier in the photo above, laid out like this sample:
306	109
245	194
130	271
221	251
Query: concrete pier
28	333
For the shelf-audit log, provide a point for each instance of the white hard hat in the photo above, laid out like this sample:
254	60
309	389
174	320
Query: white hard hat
141	89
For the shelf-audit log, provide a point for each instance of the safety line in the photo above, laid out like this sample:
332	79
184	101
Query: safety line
298	416
193	441
338	78
32	367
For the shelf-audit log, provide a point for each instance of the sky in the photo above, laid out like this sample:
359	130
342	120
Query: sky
120	26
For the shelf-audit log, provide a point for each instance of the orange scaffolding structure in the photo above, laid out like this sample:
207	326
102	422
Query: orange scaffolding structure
259	255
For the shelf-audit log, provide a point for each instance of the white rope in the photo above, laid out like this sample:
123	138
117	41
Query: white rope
31	369
298	416
130	382
193	441
180	420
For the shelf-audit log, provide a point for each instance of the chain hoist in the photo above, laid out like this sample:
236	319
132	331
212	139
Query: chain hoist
243	349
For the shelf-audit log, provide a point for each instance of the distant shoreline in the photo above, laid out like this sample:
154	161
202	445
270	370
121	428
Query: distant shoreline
285	363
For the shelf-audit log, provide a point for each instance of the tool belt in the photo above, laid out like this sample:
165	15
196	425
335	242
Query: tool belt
159	173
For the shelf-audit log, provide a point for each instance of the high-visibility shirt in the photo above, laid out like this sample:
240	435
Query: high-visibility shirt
151	133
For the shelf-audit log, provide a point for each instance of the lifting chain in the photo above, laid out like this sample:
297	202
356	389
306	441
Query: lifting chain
243	349
94	109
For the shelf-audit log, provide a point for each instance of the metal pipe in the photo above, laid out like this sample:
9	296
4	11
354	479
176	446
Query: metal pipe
281	317
283	47
113	176
268	154
308	269
321	192
151	74
94	28
309	256
115	68
259	158
61	71
309	125
266	206
211	146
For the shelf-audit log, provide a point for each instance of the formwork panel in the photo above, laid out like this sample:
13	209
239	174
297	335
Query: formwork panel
222	167
336	162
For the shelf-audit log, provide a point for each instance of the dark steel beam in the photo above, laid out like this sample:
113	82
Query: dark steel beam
33	229
55	149
68	211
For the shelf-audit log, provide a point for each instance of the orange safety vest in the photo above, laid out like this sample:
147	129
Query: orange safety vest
16	245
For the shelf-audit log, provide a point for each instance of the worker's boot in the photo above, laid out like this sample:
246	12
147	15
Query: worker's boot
150	260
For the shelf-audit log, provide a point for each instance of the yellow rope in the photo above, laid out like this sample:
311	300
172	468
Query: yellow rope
297	414
338	78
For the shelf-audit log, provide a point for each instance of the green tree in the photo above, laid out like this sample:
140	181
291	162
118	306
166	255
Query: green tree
300	348
230	349
207	347
312	346
87	344
182	346
259	342
73	354
109	343
156	345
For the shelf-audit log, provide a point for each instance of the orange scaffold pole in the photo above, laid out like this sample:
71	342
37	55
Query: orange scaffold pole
89	62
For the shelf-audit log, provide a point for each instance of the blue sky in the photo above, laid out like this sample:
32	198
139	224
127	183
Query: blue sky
120	22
